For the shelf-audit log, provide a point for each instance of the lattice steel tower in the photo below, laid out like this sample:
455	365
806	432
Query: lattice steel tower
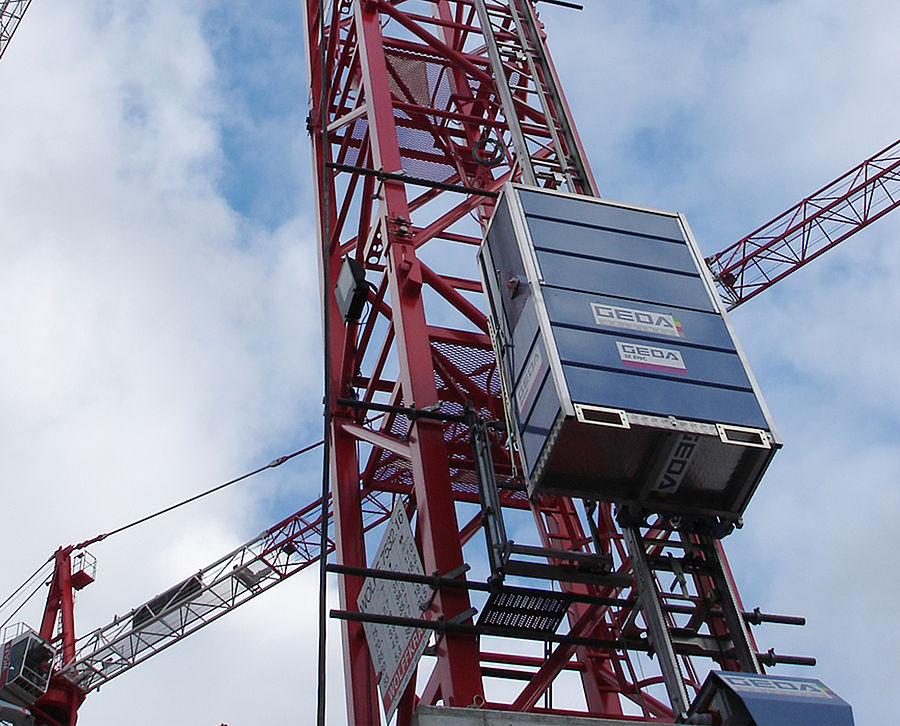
423	111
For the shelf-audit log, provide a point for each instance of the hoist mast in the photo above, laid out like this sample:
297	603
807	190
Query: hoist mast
421	111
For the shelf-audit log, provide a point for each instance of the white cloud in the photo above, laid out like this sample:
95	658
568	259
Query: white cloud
159	342
156	342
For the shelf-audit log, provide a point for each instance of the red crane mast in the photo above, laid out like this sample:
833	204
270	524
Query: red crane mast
420	112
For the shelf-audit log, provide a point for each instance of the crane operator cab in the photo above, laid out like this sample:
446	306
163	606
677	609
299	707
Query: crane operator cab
26	660
622	377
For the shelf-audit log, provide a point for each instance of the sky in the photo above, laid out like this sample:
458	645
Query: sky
159	314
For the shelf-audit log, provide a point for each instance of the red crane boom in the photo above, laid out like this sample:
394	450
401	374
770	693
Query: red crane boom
808	229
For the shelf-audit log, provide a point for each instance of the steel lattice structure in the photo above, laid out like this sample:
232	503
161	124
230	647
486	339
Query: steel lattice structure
265	561
11	12
808	229
414	133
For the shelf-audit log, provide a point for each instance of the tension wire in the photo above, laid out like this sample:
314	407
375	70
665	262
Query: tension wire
271	465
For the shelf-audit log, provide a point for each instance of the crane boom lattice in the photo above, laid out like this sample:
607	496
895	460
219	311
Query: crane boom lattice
277	553
810	228
11	13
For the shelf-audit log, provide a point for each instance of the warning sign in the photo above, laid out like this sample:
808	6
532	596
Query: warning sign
395	649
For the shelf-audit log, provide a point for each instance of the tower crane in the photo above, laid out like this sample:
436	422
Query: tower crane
423	116
51	671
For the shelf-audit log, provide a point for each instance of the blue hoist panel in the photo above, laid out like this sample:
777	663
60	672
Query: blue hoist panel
749	699
624	380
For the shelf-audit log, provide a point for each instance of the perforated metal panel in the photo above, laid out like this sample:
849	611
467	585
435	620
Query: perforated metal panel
532	611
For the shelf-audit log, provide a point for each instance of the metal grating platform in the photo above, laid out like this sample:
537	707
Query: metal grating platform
524	610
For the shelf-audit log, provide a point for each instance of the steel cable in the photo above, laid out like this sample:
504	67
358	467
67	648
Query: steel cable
326	319
23	603
271	465
22	587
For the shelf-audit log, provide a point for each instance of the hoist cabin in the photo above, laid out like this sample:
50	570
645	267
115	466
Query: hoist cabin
622	376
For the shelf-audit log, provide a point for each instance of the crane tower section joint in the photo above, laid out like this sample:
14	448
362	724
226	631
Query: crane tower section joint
626	382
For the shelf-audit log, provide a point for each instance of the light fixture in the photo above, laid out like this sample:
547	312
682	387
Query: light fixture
351	290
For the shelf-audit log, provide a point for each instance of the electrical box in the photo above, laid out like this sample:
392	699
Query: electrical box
623	378
749	699
25	664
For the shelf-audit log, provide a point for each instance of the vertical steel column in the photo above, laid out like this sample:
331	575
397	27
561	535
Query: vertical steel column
61	604
523	156
745	651
654	619
436	518
359	680
359	676
59	705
